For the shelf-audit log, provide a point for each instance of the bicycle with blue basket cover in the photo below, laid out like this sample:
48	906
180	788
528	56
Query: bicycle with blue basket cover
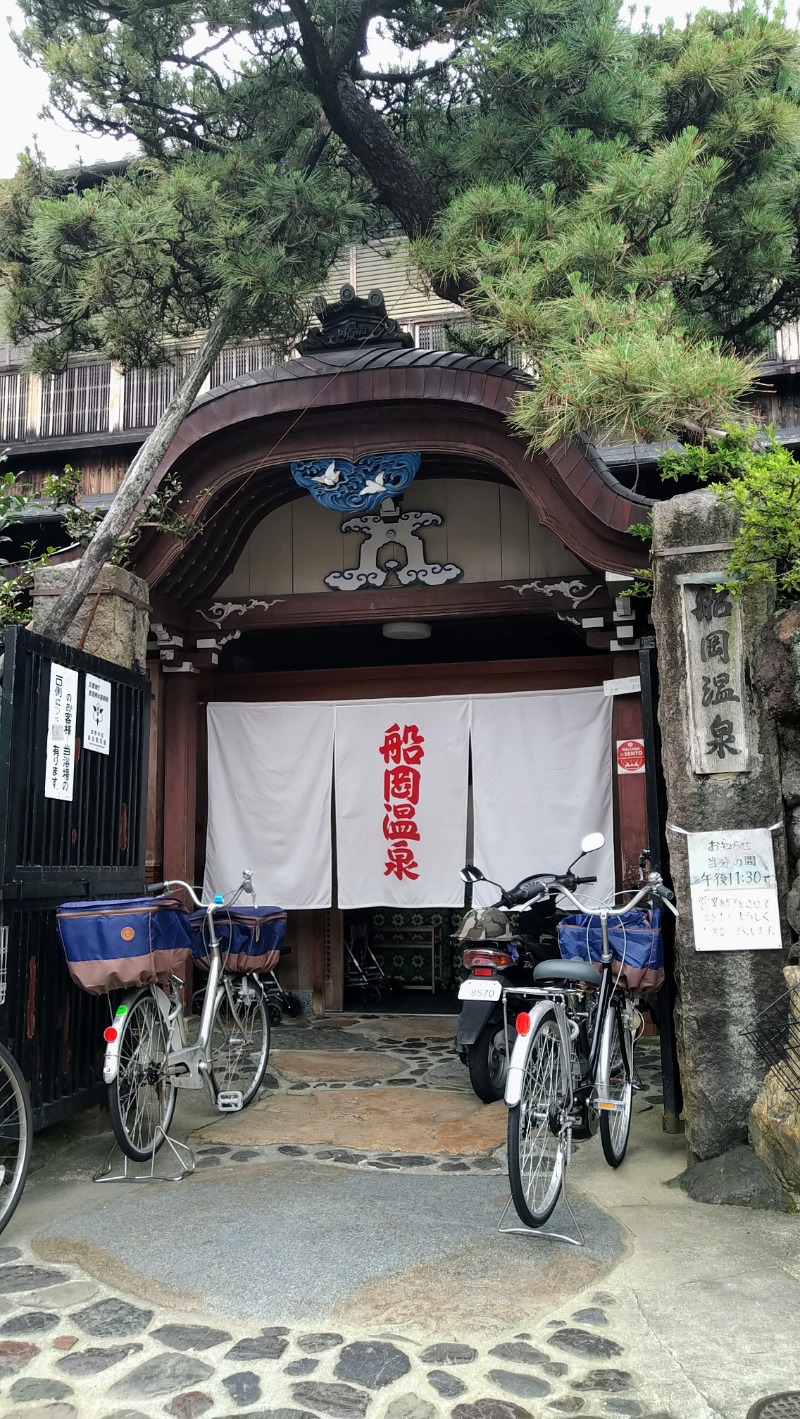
571	1067
149	1055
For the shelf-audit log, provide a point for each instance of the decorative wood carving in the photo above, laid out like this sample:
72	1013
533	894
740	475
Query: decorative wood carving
362	486
392	546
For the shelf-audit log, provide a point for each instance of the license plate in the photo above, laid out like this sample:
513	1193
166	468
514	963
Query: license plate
480	990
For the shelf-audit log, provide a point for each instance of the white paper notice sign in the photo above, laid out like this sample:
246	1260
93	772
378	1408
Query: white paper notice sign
97	714
60	770
734	893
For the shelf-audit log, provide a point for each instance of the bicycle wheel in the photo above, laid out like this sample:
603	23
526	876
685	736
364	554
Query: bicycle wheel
142	1098
535	1138
16	1134
240	1037
615	1084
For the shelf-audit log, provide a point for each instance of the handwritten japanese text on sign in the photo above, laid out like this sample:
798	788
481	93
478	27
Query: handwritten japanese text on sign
97	714
715	678
60	767
734	894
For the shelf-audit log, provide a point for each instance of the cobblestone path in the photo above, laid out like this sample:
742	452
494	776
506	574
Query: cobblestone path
72	1346
79	1341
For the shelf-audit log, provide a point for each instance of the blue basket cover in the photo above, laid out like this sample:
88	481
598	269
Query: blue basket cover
636	943
116	945
248	936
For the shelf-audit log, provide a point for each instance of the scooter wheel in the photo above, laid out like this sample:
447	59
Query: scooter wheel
275	1013
488	1063
293	1005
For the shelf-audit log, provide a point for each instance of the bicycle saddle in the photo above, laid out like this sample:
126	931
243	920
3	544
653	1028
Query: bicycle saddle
567	970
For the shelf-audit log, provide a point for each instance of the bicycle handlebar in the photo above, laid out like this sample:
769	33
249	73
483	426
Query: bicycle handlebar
246	885
648	889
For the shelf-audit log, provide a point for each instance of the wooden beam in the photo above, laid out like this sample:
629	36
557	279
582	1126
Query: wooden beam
540	597
381	682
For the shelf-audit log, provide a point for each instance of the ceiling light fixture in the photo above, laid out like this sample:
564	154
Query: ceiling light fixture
406	630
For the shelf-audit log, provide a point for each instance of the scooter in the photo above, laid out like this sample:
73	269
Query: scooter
499	956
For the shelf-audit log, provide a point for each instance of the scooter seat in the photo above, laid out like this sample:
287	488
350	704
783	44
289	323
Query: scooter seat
582	971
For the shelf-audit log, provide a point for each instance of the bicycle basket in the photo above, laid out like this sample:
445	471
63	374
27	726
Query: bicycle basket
247	936
636	945
121	944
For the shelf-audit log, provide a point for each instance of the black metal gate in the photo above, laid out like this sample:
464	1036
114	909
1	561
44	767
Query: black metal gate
54	850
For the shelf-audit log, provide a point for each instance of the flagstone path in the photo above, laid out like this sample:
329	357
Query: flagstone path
334	1256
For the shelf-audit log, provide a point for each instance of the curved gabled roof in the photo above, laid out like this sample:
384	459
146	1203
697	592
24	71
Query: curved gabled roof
233	450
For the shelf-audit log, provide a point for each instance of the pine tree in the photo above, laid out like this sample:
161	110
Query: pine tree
624	203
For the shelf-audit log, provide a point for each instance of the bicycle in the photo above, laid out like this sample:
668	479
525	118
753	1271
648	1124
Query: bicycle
16	1117
572	1064
16	1135
148	1056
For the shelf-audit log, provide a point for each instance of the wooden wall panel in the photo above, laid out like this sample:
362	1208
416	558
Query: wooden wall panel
515	537
489	530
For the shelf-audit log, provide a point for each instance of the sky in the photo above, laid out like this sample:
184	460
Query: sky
23	94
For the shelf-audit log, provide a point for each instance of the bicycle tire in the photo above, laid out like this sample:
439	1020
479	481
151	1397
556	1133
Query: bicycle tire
536	1155
616	1084
240	1037
488	1064
16	1135
141	1098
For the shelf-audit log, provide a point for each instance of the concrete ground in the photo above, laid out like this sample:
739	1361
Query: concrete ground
336	1253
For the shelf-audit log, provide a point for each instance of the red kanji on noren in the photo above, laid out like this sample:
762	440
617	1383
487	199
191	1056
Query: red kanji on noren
404	829
401	861
401	782
405	747
402	750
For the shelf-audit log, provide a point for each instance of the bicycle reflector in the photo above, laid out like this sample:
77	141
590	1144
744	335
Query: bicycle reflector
522	1024
110	1034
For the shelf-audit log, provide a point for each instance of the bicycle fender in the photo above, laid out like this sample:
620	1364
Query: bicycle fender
519	1054
111	1058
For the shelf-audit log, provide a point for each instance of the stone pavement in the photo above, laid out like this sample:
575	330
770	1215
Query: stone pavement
336	1254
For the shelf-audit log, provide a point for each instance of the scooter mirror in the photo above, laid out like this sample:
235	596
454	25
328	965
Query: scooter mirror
470	873
592	842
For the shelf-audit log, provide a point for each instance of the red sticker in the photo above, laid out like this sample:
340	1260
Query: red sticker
630	756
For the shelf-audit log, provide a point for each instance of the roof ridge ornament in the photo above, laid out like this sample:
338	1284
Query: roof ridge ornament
353	322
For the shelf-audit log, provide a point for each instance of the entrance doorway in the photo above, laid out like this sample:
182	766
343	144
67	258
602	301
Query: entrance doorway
408	949
401	961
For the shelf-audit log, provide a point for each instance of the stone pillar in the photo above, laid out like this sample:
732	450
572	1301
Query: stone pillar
114	619
719	992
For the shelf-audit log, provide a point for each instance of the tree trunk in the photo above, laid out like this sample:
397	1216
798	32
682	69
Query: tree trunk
134	485
401	185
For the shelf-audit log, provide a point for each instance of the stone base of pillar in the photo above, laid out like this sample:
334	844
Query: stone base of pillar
114	619
775	1116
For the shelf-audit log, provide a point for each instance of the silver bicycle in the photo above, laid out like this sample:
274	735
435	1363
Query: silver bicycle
149	1054
571	1068
16	1117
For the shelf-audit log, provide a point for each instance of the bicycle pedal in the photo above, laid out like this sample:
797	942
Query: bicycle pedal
229	1101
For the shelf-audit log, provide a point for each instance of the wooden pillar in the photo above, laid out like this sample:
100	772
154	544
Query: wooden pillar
154	857
630	798
180	774
334	960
